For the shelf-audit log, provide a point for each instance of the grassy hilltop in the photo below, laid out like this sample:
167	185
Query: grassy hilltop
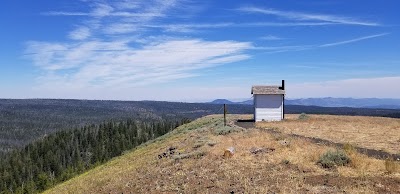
190	160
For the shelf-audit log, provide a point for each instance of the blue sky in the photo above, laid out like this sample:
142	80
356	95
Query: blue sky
183	50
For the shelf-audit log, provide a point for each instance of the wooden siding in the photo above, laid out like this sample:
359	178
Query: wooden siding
268	107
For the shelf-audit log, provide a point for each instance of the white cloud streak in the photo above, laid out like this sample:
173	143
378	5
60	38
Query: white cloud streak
121	17
79	33
63	13
271	37
308	16
190	27
309	47
108	60
353	40
283	24
112	64
111	47
99	13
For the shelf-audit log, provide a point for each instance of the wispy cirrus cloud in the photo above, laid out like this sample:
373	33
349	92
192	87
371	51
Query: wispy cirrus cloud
290	48
353	40
271	37
307	16
120	52
64	13
284	24
102	14
80	33
118	44
191	27
116	63
127	17
117	17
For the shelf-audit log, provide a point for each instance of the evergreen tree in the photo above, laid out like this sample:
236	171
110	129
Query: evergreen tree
64	154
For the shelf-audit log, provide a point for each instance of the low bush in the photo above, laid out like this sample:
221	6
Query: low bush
226	130
194	155
303	116
331	159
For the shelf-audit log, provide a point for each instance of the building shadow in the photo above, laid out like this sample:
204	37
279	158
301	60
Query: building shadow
245	123
245	120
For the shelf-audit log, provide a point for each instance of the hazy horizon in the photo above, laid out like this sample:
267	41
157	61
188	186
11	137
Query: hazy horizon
234	100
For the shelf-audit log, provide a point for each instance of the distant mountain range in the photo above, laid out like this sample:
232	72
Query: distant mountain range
331	102
225	101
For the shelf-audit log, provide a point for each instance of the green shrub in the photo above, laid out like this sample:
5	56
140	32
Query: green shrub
226	130
303	116
194	155
333	158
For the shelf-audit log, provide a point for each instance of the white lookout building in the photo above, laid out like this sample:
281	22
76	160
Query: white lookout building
268	102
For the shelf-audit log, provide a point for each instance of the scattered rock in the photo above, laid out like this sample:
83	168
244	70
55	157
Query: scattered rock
304	169
284	142
255	150
168	153
171	148
211	143
198	145
228	153
379	185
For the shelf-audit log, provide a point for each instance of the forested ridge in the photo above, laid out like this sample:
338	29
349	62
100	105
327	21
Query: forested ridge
25	120
64	154
377	112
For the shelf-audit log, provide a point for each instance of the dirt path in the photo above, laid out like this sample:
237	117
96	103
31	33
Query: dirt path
247	124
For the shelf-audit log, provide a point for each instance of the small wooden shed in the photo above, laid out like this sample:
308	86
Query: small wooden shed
268	102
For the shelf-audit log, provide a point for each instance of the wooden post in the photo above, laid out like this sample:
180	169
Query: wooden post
283	106
224	114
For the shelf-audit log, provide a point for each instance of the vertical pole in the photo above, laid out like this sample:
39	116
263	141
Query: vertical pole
283	106
224	114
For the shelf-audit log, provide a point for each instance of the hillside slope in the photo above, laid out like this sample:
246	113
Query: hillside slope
190	160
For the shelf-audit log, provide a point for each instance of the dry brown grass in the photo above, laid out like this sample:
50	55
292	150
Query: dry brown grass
368	132
288	169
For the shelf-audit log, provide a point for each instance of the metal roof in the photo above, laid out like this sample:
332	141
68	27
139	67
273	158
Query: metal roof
267	90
